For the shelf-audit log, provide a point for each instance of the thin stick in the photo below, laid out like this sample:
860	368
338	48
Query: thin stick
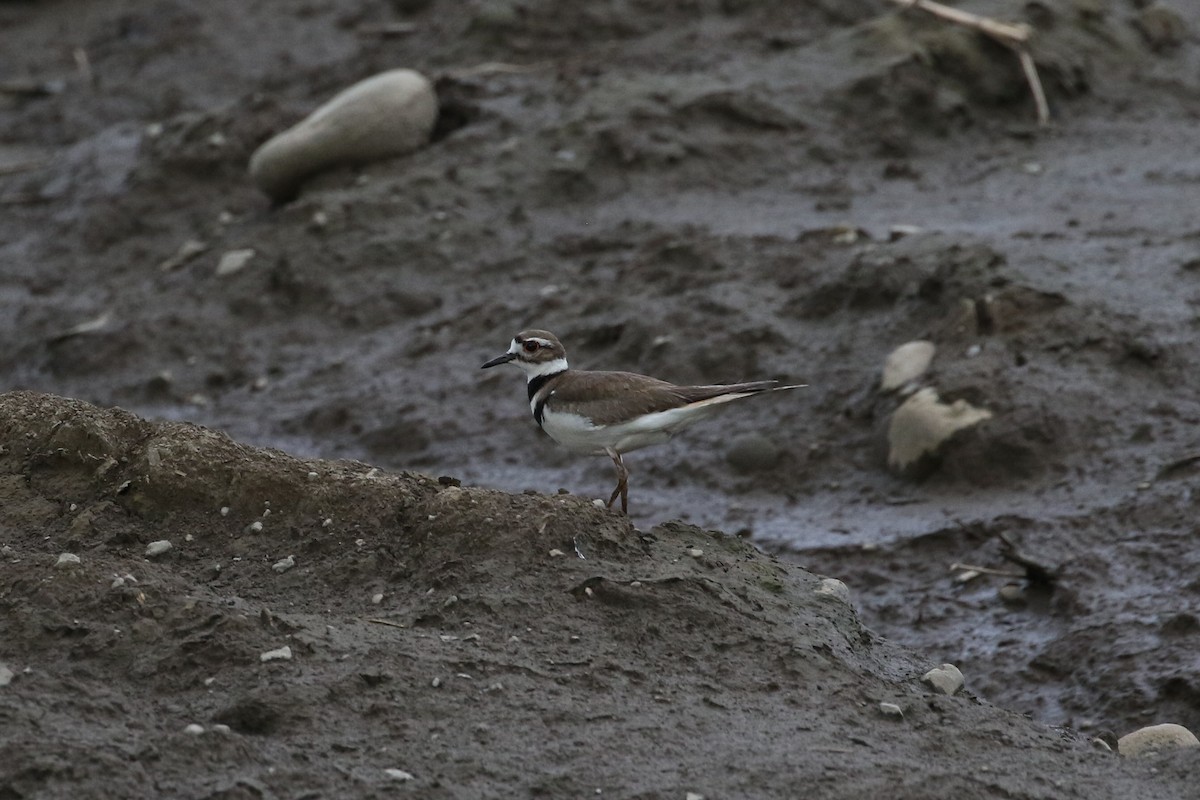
387	622
1014	36
1008	32
1035	85
1003	573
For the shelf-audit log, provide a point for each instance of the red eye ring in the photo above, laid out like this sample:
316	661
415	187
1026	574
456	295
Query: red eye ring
531	347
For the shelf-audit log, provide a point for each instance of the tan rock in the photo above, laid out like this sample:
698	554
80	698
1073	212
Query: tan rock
923	423
1156	739
387	115
947	678
906	363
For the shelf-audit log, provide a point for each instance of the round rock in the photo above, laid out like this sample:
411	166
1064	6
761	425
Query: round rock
157	548
906	363
753	452
387	115
832	587
947	678
1156	739
67	561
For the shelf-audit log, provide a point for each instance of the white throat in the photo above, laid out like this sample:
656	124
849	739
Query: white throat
547	368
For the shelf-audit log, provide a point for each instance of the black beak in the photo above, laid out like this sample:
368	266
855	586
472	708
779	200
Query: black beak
498	360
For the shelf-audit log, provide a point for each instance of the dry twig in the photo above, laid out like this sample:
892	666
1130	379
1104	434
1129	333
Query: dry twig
1014	36
1003	573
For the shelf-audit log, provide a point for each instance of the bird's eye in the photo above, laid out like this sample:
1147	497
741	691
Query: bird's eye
531	347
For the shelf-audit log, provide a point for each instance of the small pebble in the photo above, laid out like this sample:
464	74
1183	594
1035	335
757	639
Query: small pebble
693	796
436	682
283	565
598	503
695	552
312	476
234	261
377	598
282	654
947	679
891	710
1156	739
253	527
832	587
906	363
157	548
399	774
1013	593
224	730
555	553
6	675
194	729
224	511
67	560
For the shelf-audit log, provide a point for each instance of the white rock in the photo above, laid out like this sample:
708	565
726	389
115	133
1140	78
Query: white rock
693	796
224	730
1156	739
6	675
283	565
386	115
282	654
891	710
67	560
194	729
947	678
832	587
906	363
399	774
234	261
923	422
556	553
377	598
695	552
157	548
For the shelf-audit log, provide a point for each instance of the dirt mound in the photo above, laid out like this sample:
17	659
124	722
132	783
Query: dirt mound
462	638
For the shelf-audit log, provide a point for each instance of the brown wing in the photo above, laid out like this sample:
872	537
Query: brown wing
609	397
694	394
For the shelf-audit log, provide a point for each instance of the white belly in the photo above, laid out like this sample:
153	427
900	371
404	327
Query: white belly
577	433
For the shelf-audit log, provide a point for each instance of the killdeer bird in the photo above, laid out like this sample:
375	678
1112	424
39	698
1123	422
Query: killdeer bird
611	413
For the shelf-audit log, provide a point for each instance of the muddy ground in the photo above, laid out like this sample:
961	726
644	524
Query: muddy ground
702	191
